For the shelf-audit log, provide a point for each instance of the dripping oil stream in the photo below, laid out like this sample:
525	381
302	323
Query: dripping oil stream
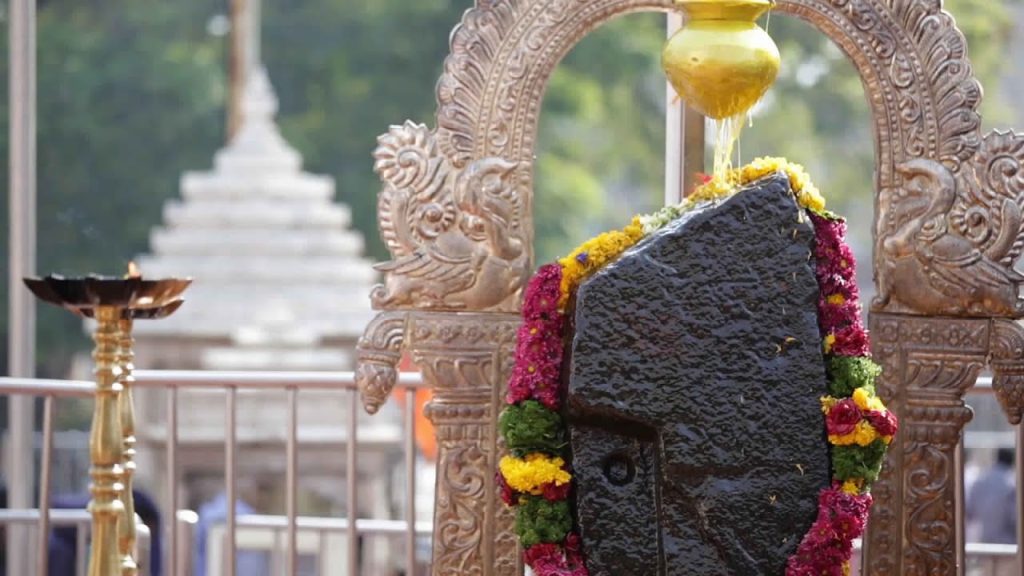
728	132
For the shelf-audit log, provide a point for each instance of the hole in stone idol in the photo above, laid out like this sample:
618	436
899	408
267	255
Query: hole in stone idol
619	469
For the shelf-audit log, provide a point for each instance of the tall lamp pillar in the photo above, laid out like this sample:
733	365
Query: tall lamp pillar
126	533
113	302
106	448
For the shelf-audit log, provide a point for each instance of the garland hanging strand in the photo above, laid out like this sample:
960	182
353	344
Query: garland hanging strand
535	478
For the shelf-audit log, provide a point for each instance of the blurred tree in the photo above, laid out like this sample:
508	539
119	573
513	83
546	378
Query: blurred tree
131	94
346	70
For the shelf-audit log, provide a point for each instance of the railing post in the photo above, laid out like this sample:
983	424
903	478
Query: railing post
22	263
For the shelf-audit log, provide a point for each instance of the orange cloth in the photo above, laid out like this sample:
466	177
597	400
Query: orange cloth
426	440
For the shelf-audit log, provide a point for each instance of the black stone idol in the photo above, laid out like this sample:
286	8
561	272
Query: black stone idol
697	436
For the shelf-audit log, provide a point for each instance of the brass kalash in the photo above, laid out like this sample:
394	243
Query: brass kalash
721	64
115	303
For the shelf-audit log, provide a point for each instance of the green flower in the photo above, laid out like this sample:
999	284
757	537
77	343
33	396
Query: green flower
538	520
530	427
853	462
846	374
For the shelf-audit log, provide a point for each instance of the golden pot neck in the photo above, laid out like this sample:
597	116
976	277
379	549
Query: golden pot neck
736	10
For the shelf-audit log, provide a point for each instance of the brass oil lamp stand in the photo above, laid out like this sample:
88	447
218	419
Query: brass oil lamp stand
114	303
126	529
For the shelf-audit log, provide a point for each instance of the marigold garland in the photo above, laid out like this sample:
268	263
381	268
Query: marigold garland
535	478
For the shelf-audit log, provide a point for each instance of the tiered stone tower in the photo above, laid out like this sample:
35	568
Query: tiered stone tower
280	283
262	239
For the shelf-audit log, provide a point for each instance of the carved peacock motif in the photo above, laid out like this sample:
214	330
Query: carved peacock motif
946	271
456	236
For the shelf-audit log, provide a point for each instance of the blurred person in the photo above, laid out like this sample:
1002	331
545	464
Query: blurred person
3	528
254	495
63	540
992	507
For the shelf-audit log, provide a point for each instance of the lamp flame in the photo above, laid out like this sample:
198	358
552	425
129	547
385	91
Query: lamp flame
133	270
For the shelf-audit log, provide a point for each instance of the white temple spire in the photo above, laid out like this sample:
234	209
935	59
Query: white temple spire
259	233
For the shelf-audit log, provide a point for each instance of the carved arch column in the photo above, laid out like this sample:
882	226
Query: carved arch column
456	214
928	364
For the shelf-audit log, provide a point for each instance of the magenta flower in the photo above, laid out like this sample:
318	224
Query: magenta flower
834	317
554	493
552	560
540	300
852	341
884	422
508	495
843	418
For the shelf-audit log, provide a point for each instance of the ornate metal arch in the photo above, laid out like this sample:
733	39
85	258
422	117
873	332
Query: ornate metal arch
455	212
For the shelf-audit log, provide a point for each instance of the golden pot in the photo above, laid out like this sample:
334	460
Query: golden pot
721	62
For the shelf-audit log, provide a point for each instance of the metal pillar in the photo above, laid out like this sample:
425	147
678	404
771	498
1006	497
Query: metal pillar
244	56
22	259
237	63
684	137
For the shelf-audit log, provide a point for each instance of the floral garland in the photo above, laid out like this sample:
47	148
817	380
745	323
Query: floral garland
535	478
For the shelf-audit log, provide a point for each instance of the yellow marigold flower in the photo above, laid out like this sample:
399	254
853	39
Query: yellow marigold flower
528	474
836	300
852	487
594	254
867	401
635	230
714	189
827	402
811	199
806	192
863	435
830	341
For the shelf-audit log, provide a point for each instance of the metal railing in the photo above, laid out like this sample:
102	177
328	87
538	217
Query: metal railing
977	558
49	390
81	521
231	382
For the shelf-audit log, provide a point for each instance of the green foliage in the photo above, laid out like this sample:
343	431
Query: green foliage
846	374
131	94
602	135
530	427
817	112
853	462
346	70
538	520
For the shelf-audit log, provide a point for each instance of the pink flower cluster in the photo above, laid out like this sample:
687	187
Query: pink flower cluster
828	546
538	362
839	304
555	560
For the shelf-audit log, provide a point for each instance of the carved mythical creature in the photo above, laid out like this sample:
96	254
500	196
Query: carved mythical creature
1006	357
925	262
455	236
